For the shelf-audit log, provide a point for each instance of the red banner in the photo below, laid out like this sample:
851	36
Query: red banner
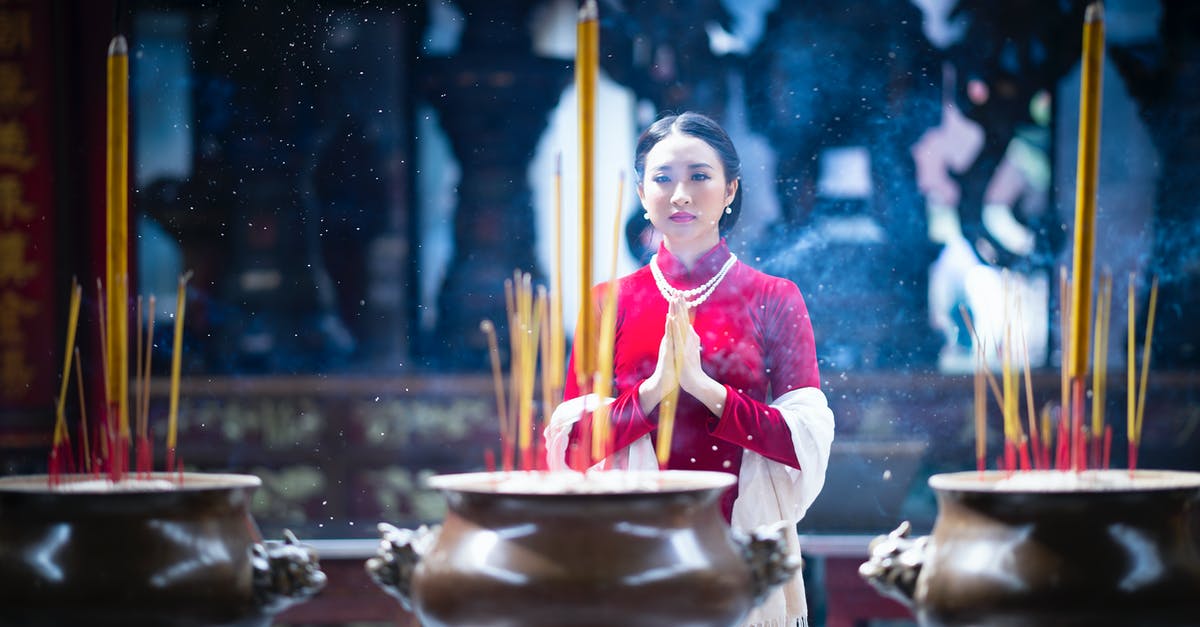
30	349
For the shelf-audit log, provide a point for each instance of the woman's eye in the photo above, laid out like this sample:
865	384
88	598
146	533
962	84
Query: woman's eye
699	176
661	179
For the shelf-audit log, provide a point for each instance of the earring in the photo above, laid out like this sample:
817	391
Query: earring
729	210
646	215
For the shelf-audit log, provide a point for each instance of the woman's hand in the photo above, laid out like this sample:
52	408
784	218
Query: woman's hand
664	378
679	366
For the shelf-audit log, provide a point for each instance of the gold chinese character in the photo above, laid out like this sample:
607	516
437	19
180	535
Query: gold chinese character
14	268
16	32
13	207
16	374
14	146
13	311
12	86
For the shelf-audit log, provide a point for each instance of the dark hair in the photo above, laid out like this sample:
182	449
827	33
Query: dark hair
704	128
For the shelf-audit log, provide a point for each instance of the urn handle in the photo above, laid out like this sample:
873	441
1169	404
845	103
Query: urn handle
285	573
772	562
399	553
895	563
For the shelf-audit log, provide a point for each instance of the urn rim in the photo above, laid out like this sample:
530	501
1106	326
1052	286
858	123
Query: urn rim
569	483
1066	481
154	483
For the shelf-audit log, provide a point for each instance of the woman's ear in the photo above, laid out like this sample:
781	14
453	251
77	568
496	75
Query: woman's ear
641	194
731	191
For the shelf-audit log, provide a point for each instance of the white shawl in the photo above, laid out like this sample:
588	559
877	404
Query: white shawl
768	492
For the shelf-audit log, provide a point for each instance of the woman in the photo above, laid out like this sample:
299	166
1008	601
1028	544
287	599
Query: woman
749	401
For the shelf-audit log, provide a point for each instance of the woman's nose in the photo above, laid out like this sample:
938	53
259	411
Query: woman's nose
680	196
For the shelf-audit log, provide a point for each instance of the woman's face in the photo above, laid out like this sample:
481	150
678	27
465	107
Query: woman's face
685	192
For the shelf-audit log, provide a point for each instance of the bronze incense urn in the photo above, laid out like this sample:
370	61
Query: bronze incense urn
564	549
171	550
1042	548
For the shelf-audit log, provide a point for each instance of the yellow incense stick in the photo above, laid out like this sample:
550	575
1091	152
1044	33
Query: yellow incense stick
980	411
530	321
557	344
176	362
608	332
1064	319
978	343
117	242
489	330
1100	350
1085	189
60	425
587	58
83	422
1131	364
1141	406
144	388
138	366
666	422
548	370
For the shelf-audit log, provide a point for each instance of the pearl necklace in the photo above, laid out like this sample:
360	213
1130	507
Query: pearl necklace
701	293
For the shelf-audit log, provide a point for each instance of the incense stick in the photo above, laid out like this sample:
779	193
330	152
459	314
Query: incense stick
1029	406
86	466
548	371
1085	214
989	377
176	369
980	414
1145	375
586	68
489	330
117	220
557	340
608	330
60	425
145	454
1100	359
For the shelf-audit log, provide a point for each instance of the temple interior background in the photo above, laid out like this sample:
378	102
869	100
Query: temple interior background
351	182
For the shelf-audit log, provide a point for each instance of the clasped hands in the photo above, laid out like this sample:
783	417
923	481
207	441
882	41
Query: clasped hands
679	366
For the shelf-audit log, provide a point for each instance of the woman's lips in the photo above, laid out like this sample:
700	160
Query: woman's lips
682	217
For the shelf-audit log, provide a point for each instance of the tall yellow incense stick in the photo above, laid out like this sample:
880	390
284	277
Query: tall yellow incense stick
587	57
1085	212
608	332
117	274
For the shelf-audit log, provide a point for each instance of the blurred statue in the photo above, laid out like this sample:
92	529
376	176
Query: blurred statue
1011	55
842	90
1164	78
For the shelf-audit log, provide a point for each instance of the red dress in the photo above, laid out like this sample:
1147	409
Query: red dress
755	338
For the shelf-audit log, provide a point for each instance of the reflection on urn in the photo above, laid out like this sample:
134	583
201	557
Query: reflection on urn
529	549
1049	548
170	550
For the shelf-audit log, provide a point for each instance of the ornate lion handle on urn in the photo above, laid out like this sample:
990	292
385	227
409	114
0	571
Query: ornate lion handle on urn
400	550
895	564
285	573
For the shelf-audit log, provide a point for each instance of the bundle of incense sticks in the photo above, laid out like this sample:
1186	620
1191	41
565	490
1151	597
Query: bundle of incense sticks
105	450
1095	442
528	329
